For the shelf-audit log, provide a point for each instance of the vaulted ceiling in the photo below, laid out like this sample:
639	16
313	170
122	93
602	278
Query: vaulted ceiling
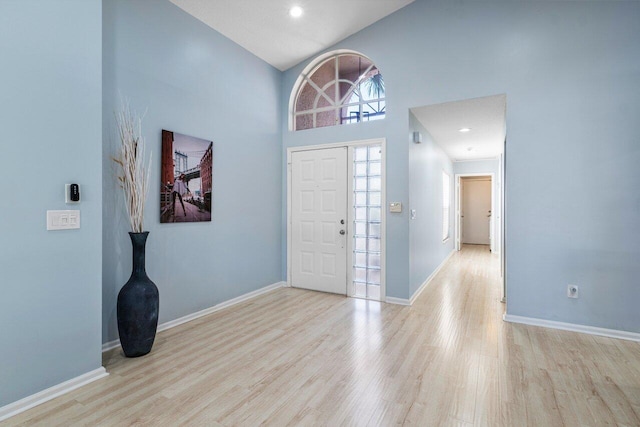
265	28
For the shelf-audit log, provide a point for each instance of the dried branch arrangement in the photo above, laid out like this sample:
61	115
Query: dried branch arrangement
133	174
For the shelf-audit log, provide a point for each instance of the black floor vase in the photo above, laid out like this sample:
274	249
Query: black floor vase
138	304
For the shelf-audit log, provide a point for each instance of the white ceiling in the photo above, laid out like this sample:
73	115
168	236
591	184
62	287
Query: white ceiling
484	116
264	27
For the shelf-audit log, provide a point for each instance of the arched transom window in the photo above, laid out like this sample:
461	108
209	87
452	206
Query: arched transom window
339	89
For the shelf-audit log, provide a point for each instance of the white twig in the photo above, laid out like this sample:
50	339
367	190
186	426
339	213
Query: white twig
134	178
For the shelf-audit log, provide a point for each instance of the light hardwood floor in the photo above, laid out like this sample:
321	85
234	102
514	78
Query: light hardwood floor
295	357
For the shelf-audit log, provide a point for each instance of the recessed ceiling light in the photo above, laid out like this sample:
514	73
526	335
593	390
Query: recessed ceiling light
295	11
464	130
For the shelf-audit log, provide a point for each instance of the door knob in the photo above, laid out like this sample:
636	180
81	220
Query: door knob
342	232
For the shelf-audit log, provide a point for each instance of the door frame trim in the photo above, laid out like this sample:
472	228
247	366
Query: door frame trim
495	248
383	232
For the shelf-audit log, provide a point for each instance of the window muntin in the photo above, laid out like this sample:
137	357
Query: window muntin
344	88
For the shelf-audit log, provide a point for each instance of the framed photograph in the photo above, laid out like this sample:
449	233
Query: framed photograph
187	167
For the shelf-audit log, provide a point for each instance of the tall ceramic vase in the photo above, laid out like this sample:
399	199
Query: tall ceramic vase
138	304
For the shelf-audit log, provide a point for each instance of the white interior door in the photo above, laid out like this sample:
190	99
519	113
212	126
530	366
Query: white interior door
476	211
319	220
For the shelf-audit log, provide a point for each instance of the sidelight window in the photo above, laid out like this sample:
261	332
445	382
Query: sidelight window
367	202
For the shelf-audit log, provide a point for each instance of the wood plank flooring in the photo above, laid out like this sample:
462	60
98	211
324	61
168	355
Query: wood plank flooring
294	357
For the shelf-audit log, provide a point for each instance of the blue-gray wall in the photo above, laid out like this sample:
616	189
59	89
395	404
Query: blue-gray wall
192	80
50	112
571	72
427	161
488	166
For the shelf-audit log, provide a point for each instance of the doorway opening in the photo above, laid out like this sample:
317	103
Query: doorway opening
479	214
475	207
472	134
335	218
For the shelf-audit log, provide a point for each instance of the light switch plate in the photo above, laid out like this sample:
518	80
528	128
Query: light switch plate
395	207
63	220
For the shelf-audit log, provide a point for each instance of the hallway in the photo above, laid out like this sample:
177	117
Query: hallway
294	357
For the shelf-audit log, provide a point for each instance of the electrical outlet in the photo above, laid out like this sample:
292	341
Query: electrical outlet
573	291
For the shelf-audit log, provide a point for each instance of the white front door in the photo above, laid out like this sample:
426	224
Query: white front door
319	220
476	209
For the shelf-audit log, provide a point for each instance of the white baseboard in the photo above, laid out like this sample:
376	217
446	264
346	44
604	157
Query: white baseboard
398	301
110	345
424	285
50	393
416	294
583	329
189	317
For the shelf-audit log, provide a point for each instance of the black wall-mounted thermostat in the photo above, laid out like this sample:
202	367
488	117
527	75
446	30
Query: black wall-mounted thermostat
72	193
